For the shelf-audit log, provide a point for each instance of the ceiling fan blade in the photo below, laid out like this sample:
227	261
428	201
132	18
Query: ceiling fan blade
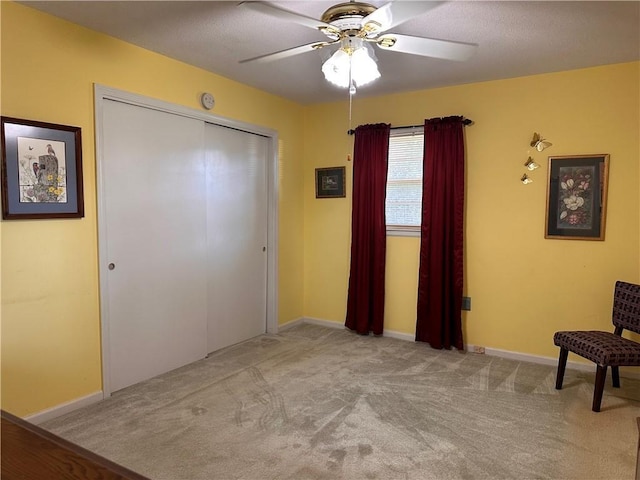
427	47
289	52
288	15
395	13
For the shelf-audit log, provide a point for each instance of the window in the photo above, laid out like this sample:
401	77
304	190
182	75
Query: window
404	181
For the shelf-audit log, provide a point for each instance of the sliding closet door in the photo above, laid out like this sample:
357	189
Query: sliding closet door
155	206
237	235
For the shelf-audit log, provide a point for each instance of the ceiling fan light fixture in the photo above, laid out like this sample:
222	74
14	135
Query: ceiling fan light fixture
336	68
353	63
363	67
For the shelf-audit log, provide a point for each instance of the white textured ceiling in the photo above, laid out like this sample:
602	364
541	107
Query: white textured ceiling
515	39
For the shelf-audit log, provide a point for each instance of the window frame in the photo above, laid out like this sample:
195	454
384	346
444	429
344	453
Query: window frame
404	230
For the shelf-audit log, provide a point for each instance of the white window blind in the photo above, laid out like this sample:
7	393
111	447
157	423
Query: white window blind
404	179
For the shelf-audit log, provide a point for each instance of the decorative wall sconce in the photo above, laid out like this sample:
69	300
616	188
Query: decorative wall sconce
530	164
525	179
539	143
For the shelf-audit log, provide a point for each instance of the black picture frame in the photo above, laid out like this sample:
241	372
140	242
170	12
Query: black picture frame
41	170
330	182
577	197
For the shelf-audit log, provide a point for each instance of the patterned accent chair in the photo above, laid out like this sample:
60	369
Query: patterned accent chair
606	349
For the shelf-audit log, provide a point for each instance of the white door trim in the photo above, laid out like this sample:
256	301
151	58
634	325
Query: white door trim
102	93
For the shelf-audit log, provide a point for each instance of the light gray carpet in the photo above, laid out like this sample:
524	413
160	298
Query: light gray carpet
320	403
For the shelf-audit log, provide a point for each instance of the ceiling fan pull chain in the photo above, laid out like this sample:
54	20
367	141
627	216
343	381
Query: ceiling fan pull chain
350	102
352	89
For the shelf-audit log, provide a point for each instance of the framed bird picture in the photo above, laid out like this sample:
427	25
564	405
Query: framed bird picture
41	170
330	182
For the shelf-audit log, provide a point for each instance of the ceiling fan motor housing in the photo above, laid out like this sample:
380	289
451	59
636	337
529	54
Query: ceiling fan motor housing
348	16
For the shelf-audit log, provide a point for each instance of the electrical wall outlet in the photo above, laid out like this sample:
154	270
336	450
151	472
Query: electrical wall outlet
466	303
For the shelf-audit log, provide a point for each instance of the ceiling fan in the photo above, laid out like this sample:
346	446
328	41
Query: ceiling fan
354	26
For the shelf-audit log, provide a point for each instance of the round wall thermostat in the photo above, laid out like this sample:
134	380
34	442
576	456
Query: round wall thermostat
207	101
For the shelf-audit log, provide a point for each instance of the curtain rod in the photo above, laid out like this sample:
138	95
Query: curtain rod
465	122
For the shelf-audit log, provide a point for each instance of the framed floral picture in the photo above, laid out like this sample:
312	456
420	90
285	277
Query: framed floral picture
41	170
577	197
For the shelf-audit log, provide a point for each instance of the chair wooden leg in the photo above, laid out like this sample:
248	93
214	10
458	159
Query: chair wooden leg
562	363
601	375
615	377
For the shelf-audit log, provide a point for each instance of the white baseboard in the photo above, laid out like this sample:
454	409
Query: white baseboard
323	323
53	412
495	352
290	323
332	324
409	337
552	361
527	357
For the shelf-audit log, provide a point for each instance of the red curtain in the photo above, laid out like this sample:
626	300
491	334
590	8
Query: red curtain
440	278
365	303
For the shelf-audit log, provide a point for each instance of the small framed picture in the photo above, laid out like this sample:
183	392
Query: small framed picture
330	182
41	170
577	197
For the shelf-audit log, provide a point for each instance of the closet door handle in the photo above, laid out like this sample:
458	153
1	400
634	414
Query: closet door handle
111	266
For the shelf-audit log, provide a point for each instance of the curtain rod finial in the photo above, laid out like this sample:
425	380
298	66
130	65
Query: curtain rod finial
351	132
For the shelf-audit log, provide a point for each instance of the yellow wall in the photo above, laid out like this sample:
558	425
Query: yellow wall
523	287
50	310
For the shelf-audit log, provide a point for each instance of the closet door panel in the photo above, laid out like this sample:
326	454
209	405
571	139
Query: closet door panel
237	235
155	207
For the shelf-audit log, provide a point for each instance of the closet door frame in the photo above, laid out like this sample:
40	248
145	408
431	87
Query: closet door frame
102	93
